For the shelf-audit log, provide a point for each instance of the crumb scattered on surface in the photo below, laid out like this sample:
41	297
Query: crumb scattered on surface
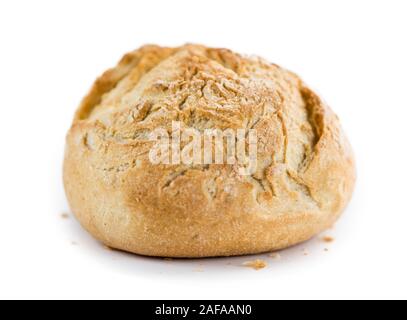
65	216
256	264
305	252
275	256
328	239
200	270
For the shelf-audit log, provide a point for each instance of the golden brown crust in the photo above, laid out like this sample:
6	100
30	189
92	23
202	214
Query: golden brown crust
304	179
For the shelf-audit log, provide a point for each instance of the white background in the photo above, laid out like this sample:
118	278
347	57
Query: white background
353	52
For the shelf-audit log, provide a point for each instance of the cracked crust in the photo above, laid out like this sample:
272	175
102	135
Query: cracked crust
305	175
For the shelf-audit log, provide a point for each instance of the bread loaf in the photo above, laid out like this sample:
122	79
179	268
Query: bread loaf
302	180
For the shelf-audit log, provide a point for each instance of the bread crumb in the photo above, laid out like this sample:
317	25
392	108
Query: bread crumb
275	256
65	216
305	252
328	239
256	264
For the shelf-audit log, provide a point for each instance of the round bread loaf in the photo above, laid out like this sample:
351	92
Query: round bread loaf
303	178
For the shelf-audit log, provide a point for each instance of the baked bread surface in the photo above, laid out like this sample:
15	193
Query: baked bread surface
304	178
